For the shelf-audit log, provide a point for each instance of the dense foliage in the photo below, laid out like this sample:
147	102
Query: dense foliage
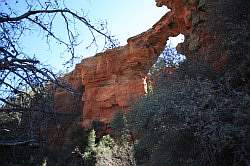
191	119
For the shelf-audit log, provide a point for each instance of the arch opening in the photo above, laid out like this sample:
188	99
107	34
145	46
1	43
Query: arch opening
169	58
167	62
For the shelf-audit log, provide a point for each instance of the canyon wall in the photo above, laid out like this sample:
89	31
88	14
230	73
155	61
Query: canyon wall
112	80
219	34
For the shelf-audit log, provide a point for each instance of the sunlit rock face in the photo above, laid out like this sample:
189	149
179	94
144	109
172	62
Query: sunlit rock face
112	80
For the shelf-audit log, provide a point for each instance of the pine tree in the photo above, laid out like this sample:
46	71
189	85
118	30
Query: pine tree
90	149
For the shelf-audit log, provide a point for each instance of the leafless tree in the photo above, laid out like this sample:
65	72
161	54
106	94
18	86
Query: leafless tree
20	71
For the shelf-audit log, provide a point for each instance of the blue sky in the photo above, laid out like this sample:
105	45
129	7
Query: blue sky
125	18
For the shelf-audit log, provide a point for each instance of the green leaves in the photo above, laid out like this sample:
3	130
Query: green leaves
201	5
183	118
91	147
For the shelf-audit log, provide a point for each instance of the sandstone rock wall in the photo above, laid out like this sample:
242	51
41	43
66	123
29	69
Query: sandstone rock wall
115	78
219	34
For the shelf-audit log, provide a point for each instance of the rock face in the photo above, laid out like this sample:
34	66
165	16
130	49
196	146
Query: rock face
219	34
113	79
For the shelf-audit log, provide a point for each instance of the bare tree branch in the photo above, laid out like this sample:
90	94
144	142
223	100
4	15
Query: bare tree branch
34	12
20	72
27	14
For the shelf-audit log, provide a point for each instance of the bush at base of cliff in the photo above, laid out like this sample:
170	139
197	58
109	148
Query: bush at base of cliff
119	155
192	121
108	152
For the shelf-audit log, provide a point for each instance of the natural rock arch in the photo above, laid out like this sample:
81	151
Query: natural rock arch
117	76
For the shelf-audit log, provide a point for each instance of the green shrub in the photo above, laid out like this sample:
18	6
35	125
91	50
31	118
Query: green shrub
192	121
107	152
118	125
90	150
110	153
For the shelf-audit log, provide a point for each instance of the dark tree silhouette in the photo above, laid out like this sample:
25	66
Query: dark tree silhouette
21	72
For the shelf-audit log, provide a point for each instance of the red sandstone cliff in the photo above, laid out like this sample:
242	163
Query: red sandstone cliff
116	77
